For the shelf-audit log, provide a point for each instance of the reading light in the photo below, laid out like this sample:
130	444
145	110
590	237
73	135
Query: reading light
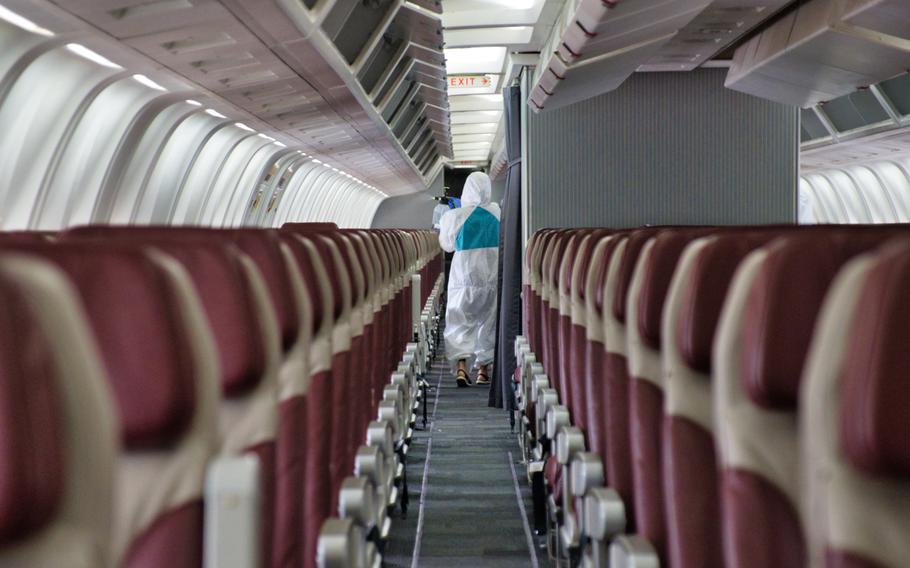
215	113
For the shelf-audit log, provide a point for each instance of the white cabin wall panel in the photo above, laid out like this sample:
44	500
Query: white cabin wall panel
874	192
303	176
172	166
854	199
35	123
202	174
280	189
313	178
77	183
218	200
125	176
17	48
248	184
282	160
881	207
896	179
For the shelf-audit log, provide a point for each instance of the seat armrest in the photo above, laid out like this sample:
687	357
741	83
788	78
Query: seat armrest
342	544
557	418
570	441
232	518
605	514
538	383
587	473
633	552
357	501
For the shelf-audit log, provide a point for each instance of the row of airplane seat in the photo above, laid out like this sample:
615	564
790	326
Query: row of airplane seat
718	396
188	397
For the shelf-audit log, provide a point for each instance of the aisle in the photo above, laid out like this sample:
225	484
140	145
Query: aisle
471	513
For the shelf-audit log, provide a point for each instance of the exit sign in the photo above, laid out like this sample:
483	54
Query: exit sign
469	81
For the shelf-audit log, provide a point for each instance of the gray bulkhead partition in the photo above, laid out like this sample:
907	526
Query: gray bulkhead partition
410	211
665	148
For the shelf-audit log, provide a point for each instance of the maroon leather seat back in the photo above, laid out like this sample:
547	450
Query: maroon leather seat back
860	468
778	321
137	323
578	371
225	295
616	387
562	286
689	462
59	442
141	330
875	391
595	355
316	501
33	461
550	308
264	248
646	394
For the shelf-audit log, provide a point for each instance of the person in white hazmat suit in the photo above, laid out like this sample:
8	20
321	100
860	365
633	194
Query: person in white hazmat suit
472	233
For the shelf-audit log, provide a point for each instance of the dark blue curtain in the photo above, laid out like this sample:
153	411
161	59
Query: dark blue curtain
509	323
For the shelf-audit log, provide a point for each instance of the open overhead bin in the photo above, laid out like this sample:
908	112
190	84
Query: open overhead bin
598	44
333	74
823	49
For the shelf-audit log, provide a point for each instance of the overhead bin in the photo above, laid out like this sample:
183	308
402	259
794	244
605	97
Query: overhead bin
714	30
311	69
824	49
598	44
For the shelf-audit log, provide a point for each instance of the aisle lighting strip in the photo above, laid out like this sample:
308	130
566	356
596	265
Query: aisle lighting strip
77	48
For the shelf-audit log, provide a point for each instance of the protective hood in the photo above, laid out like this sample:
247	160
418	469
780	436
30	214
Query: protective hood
477	190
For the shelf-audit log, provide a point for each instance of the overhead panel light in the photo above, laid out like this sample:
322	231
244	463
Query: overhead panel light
481	137
315	161
513	36
469	145
517	4
475	60
194	103
213	112
475	128
476	117
243	126
143	80
280	144
87	53
23	22
266	137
